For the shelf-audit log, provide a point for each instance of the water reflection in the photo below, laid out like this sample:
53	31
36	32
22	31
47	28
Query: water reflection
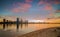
27	26
23	28
18	23
21	24
6	26
20	27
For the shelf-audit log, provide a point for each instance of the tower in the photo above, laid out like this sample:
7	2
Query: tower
17	22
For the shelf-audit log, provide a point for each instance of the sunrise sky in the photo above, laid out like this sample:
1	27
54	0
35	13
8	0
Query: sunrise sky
30	9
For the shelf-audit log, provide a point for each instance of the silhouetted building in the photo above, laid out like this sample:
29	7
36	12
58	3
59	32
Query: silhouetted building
7	23
4	23
21	22
26	23
17	22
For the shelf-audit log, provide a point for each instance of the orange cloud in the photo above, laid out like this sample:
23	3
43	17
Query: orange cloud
22	7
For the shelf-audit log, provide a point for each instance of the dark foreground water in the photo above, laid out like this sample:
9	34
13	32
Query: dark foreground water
13	31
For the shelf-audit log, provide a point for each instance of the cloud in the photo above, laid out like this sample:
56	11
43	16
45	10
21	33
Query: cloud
48	1
28	1
56	2
48	7
15	10
21	7
41	2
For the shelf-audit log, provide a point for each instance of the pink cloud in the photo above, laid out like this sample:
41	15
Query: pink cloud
28	1
56	2
26	5
48	7
22	7
41	2
15	10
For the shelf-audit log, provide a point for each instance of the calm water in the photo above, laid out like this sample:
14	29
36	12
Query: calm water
12	30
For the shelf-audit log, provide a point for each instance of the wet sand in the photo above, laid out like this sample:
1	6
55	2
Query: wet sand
48	32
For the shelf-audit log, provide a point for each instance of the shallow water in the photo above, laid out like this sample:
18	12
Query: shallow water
12	30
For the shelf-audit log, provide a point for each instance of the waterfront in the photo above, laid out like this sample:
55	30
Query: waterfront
11	30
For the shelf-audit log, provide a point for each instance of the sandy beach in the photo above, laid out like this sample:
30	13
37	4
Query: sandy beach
48	32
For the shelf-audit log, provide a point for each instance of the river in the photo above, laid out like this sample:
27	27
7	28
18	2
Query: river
11	30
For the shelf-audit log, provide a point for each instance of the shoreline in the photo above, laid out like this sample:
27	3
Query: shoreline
48	32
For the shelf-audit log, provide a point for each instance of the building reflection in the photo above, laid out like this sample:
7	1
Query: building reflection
7	24
4	23
19	24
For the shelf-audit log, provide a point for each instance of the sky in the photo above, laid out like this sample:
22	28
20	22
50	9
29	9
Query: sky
30	9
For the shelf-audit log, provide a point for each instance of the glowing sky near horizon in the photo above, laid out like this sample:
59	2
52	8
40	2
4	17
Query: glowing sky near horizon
30	9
